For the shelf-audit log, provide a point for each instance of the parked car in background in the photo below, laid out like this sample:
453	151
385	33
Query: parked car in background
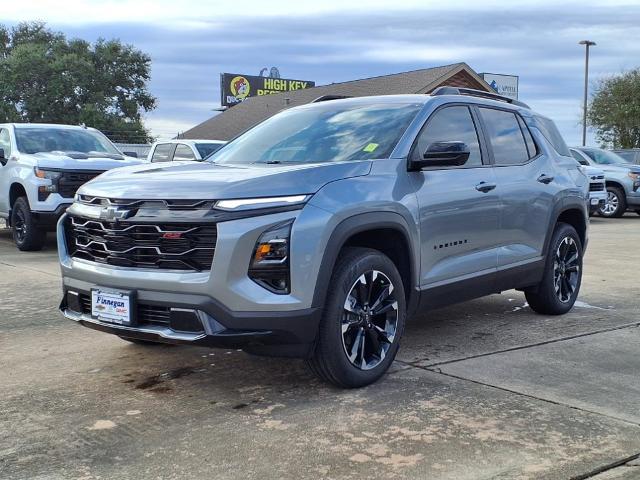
622	179
597	188
316	233
183	150
41	167
631	155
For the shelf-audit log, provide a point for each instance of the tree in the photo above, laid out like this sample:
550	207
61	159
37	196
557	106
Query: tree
45	77
615	110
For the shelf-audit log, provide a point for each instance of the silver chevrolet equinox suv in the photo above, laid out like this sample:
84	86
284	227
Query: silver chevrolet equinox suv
318	232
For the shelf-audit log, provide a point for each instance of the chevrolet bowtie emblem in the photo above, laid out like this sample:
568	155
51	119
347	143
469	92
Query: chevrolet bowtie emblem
112	213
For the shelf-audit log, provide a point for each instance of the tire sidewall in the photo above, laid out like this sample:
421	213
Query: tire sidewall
20	206
621	204
562	231
344	279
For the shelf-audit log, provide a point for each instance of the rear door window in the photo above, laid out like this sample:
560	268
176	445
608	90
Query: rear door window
162	152
183	153
506	137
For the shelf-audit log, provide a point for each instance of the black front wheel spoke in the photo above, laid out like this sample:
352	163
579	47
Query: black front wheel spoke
566	269
369	320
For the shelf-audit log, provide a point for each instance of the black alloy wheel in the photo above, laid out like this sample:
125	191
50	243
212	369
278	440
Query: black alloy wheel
369	320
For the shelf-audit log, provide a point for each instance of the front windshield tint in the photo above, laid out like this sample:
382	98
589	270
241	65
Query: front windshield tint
323	133
604	157
51	139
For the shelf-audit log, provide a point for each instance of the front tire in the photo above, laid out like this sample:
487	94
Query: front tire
560	285
362	322
26	234
616	203
638	212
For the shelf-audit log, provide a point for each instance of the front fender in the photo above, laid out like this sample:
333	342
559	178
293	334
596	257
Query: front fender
357	224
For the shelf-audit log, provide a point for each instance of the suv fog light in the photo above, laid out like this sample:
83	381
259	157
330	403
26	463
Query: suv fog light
270	261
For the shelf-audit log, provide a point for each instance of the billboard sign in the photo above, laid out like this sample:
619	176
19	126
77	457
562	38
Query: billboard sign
506	85
235	88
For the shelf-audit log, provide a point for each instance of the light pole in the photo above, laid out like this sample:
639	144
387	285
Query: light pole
587	44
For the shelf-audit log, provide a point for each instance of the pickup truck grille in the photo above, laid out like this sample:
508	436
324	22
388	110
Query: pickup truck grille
596	187
70	182
168	246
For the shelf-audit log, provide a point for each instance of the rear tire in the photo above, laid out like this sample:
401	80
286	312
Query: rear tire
362	322
560	285
27	236
616	203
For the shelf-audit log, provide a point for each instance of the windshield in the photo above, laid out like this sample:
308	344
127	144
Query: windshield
324	133
52	139
207	149
604	157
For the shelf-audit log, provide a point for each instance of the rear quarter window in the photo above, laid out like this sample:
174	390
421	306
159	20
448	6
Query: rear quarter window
551	133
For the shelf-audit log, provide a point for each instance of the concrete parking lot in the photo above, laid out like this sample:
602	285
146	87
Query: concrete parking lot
481	390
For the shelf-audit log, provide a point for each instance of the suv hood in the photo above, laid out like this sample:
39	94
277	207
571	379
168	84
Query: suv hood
620	168
208	181
592	171
62	161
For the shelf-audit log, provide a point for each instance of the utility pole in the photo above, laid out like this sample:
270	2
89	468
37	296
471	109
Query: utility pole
587	44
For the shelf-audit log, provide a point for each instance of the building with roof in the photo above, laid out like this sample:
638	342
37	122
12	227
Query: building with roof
253	110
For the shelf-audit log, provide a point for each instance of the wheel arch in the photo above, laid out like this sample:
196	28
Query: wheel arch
387	232
16	191
574	213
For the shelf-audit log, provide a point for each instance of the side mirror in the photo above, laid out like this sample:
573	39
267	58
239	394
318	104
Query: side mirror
442	154
3	160
131	154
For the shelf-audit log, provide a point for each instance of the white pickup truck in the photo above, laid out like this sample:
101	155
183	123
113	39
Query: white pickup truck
41	167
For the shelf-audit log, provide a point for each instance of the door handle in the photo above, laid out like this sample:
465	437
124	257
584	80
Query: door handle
546	179
485	187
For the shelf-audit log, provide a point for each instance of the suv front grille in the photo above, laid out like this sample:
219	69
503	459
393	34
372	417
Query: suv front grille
169	246
145	314
596	187
70	182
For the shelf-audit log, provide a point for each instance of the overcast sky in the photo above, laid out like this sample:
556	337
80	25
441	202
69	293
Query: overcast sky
192	42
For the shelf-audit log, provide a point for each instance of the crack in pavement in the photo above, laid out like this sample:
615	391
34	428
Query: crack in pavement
605	468
432	368
415	363
29	268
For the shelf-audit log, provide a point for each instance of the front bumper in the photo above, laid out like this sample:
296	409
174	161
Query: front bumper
200	320
232	309
48	220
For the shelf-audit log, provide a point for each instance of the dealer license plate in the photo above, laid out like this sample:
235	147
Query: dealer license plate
111	306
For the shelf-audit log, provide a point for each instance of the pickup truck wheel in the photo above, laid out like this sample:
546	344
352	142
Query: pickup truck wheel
558	290
616	203
26	234
362	322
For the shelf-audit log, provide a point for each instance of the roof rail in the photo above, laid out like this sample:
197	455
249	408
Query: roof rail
446	90
326	98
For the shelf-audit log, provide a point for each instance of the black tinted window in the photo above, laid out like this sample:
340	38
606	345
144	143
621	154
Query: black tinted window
528	138
207	149
507	140
161	153
451	124
551	133
578	157
183	153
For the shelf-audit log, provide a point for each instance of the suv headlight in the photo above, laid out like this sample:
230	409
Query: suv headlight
45	190
264	202
269	265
